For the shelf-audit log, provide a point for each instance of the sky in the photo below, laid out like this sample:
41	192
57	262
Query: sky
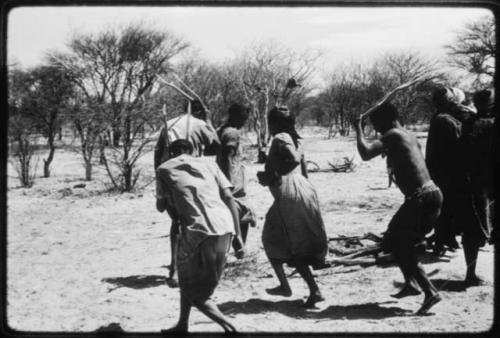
343	35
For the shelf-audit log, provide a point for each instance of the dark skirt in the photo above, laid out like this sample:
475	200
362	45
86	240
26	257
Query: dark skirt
201	272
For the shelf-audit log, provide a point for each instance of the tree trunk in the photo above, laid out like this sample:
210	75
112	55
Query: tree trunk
127	145
127	177
88	170
48	161
116	136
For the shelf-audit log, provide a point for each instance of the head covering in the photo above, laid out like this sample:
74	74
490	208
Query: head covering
445	96
457	95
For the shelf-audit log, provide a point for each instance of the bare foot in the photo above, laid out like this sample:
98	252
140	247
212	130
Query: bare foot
312	300
428	303
178	329
280	291
172	282
474	281
406	291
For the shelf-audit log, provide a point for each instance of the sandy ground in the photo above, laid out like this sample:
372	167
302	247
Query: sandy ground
80	259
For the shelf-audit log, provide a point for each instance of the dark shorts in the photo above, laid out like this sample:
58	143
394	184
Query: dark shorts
414	219
200	274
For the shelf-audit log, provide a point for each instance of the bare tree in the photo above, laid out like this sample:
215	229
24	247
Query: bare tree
21	127
394	69
474	49
116	71
263	73
353	88
347	90
49	92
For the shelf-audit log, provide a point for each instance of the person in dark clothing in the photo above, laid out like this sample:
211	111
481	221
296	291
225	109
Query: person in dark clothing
442	158
475	208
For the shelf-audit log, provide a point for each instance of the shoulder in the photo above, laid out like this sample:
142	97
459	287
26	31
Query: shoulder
443	118
283	138
397	136
229	132
446	121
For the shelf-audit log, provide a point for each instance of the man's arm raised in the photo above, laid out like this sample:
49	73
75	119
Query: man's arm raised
367	150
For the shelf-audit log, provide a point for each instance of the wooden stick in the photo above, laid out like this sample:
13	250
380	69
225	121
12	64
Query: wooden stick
191	91
368	235
347	261
393	92
170	84
164	115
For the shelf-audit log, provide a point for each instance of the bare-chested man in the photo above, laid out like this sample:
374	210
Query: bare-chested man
423	199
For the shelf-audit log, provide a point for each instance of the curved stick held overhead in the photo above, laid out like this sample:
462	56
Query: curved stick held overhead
394	91
191	91
170	84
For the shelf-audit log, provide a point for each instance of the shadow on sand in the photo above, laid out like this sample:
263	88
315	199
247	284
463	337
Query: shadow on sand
292	308
448	285
136	282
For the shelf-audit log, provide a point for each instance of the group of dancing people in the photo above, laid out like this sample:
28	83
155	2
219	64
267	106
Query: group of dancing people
205	197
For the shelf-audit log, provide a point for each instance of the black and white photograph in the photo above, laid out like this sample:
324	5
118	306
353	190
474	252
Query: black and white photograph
249	168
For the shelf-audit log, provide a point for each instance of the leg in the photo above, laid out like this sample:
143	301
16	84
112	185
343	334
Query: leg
173	280
415	270
244	231
410	287
212	311
471	251
432	296
284	288
235	243
314	293
183	323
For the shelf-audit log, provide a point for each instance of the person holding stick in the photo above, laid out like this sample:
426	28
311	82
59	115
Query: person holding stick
197	195
204	140
423	199
293	232
229	160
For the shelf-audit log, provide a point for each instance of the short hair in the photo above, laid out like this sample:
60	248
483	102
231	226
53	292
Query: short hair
281	117
180	146
238	113
197	109
482	97
386	112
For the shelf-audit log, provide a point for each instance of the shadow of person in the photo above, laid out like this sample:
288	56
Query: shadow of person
292	308
443	285
136	282
449	285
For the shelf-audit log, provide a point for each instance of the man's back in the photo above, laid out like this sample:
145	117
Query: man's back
194	184
405	159
195	130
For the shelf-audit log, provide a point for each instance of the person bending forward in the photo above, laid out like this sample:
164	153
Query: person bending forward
196	194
